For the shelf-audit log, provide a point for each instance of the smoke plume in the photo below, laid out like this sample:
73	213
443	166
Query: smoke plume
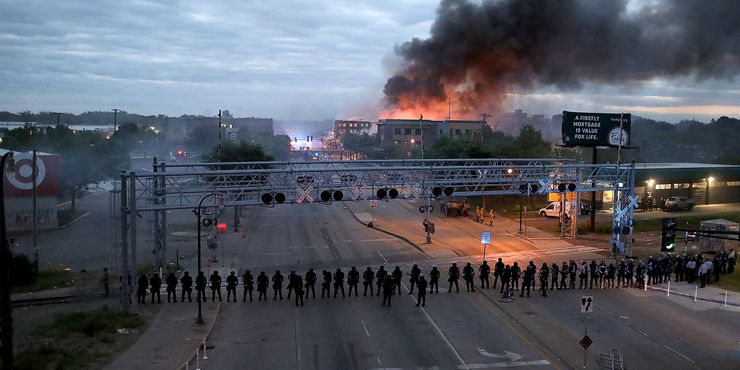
479	51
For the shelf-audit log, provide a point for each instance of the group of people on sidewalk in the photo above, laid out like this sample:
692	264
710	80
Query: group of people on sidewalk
554	276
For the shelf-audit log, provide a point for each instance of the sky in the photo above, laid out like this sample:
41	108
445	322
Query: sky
282	59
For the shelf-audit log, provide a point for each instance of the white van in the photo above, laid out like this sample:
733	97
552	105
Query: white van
553	209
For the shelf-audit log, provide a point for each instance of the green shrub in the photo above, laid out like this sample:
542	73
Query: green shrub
23	272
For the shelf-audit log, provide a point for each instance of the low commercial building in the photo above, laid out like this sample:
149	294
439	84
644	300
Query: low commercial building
703	182
351	127
18	185
409	131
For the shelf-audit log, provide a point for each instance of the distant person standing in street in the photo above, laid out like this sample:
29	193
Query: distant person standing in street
516	273
262	282
380	276
338	282
326	284
483	271
388	285
529	272
353	280
105	281
491	216
277	285
434	280
397	277
415	272
563	275
498	269
421	295
572	272
583	275
186	281
143	284
310	283
291	279
215	286
454	276
367	281
200	286
231	282
298	288
248	283
555	270
171	287
156	284
544	274
469	277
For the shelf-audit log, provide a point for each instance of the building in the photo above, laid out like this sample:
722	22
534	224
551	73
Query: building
702	182
409	131
18	185
253	125
351	127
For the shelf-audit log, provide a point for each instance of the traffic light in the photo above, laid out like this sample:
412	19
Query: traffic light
668	235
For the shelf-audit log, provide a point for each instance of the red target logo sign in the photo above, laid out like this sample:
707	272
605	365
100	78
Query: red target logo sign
22	178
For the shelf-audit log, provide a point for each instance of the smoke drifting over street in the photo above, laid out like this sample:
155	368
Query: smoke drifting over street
480	51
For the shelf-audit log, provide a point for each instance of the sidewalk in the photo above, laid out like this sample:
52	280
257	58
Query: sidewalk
171	340
709	293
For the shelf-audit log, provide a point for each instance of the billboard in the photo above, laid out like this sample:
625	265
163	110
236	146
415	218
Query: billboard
596	129
19	183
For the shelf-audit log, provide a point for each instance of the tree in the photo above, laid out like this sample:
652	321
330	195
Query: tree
239	152
363	143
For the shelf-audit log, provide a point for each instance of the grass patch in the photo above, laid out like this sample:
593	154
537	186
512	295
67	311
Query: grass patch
65	216
729	282
52	280
51	356
93	323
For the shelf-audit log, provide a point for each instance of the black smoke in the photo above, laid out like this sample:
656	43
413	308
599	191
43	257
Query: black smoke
479	51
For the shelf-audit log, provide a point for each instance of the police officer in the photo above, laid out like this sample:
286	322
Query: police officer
326	284
415	272
187	286
143	284
248	283
310	283
484	271
630	273
421	295
388	285
353	279
298	287
498	269
602	275
171	286
593	269
572	272
563	275
555	270
454	276
434	280
516	273
277	285
544	274
610	272
367	280
105	280
156	284
215	286
529	272
583	275
505	279
291	280
338	282
469	276
262	282
397	276
621	273
200	286
231	282
380	275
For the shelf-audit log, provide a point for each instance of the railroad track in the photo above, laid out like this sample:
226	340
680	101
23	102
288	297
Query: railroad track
52	300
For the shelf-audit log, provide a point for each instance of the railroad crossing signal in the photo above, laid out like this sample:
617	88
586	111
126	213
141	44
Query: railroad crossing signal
586	342
668	235
587	304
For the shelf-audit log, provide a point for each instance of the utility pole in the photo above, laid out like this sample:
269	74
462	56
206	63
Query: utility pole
218	147
115	119
35	219
449	109
421	128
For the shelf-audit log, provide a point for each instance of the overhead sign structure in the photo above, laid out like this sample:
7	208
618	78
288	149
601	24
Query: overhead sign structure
596	129
587	304
486	237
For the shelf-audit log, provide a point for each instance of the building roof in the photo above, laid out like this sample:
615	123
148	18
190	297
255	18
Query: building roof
663	173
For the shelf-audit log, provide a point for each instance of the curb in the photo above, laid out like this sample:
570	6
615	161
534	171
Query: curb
406	240
713	300
186	365
73	221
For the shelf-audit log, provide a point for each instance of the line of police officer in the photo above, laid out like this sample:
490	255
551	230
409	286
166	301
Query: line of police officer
563	276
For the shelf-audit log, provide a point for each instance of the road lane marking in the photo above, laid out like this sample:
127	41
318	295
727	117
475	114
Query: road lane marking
369	240
365	327
679	353
382	256
641	332
506	364
513	357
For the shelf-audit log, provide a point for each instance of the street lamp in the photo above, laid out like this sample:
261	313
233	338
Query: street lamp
6	316
197	211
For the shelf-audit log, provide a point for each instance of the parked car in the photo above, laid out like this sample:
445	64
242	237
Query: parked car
678	204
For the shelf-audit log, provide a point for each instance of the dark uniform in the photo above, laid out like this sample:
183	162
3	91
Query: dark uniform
277	285
544	274
572	271
156	284
143	284
215	286
593	269
498	269
231	282
583	275
388	286
484	271
171	286
454	276
555	270
187	286
310	283
338	282
200	286
415	272
529	272
298	288
397	277
629	274
469	277
353	279
421	295
380	275
610	272
621	273
326	284
506	279
434	280
563	275
367	280
248	283
291	280
262	282
516	273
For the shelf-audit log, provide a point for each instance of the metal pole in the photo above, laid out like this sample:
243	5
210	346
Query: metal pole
218	146
124	244
592	224
199	319
520	214
115	120
7	314
35	211
132	224
421	128
157	230
163	217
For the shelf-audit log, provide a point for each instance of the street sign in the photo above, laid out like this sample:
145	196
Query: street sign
596	129
587	304
586	342
486	237
374	203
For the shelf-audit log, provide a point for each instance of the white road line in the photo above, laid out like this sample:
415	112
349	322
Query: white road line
369	240
365	327
641	332
679	353
383	257
506	364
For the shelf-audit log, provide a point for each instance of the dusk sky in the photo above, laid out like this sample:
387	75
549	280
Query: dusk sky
281	59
